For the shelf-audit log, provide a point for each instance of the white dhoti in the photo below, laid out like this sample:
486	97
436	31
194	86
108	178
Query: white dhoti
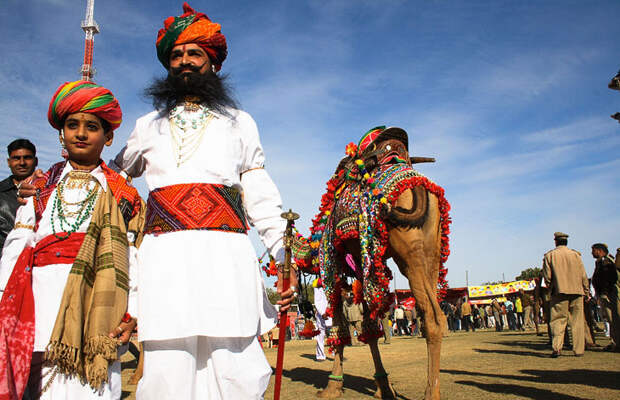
63	387
320	343
320	302
202	367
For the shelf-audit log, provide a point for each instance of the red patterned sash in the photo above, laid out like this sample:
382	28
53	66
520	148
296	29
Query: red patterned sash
17	317
201	206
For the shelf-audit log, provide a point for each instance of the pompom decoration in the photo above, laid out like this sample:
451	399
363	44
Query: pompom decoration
309	330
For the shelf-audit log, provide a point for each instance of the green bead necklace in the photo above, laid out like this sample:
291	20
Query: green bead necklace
80	215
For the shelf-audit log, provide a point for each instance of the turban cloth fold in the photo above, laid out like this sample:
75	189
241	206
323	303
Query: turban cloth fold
86	97
191	27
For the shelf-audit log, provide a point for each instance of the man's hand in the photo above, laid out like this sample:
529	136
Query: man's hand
27	189
123	331
290	294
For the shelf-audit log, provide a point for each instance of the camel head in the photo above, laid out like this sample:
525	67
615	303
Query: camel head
615	82
384	146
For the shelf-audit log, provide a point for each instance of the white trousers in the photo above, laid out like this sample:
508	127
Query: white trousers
320	345
202	367
70	388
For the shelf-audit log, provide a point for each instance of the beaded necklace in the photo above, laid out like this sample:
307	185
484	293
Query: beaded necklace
63	211
188	123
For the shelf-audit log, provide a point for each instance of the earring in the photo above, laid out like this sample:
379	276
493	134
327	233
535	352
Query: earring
213	68
62	138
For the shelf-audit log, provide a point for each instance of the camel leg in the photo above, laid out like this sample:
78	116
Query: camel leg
336	379
334	385
384	388
421	269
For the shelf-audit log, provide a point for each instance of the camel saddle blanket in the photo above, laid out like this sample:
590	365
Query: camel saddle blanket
195	206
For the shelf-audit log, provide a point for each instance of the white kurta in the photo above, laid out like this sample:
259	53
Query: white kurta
196	282
48	284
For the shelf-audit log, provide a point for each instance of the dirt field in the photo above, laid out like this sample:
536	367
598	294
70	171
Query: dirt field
474	365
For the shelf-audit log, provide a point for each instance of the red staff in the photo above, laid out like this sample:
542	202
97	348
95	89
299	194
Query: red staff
289	216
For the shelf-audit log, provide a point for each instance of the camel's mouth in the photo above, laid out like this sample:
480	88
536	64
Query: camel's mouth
392	157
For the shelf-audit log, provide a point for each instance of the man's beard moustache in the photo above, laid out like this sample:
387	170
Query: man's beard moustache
210	89
178	70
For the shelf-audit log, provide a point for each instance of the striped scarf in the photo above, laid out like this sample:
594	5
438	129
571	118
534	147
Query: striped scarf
95	296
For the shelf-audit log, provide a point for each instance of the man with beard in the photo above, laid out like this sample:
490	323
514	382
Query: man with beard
201	296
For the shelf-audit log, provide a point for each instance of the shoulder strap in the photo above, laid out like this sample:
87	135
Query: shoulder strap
126	196
45	186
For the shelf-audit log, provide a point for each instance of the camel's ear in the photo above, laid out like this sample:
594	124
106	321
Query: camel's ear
418	160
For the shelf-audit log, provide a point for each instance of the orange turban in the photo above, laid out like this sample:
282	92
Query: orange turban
87	97
191	27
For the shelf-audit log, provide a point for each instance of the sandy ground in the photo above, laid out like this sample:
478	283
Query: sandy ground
475	365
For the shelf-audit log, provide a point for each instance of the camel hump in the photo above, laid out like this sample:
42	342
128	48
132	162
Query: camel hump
410	209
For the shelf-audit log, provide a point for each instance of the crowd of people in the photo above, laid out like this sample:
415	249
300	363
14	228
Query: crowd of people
562	297
531	310
515	313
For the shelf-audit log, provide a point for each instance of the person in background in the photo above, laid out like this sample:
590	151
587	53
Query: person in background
565	275
353	313
322	320
527	301
22	162
519	312
497	314
466	315
605	282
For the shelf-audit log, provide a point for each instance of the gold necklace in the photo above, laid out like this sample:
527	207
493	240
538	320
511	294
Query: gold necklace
77	179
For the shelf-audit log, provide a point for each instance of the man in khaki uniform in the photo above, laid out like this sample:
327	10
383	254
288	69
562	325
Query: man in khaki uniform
526	301
565	275
466	315
354	314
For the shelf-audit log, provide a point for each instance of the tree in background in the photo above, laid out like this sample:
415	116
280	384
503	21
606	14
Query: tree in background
529	274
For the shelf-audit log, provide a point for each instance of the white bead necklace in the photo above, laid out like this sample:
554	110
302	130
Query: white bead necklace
188	123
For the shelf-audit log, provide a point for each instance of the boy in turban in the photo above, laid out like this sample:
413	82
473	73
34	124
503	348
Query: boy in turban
199	153
64	272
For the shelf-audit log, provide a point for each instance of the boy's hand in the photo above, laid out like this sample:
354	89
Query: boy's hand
123	331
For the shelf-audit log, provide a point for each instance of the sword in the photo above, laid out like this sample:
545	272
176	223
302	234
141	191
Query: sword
289	216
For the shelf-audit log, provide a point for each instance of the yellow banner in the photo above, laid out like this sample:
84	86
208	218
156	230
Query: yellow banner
500	289
488	301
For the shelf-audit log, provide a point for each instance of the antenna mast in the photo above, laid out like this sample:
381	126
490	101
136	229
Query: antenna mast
90	27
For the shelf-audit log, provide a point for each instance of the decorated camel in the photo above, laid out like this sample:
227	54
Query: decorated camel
378	207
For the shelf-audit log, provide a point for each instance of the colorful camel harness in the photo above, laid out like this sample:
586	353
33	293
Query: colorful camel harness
359	195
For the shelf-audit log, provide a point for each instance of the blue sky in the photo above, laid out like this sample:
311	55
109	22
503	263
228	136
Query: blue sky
510	97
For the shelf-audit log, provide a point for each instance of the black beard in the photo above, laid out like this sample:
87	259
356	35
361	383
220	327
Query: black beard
210	89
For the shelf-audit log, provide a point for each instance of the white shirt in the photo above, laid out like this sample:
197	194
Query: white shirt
48	282
199	282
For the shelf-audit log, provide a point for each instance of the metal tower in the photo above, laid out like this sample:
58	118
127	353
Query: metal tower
90	27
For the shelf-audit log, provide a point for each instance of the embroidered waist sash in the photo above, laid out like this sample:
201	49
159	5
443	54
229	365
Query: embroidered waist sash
52	250
201	206
17	317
